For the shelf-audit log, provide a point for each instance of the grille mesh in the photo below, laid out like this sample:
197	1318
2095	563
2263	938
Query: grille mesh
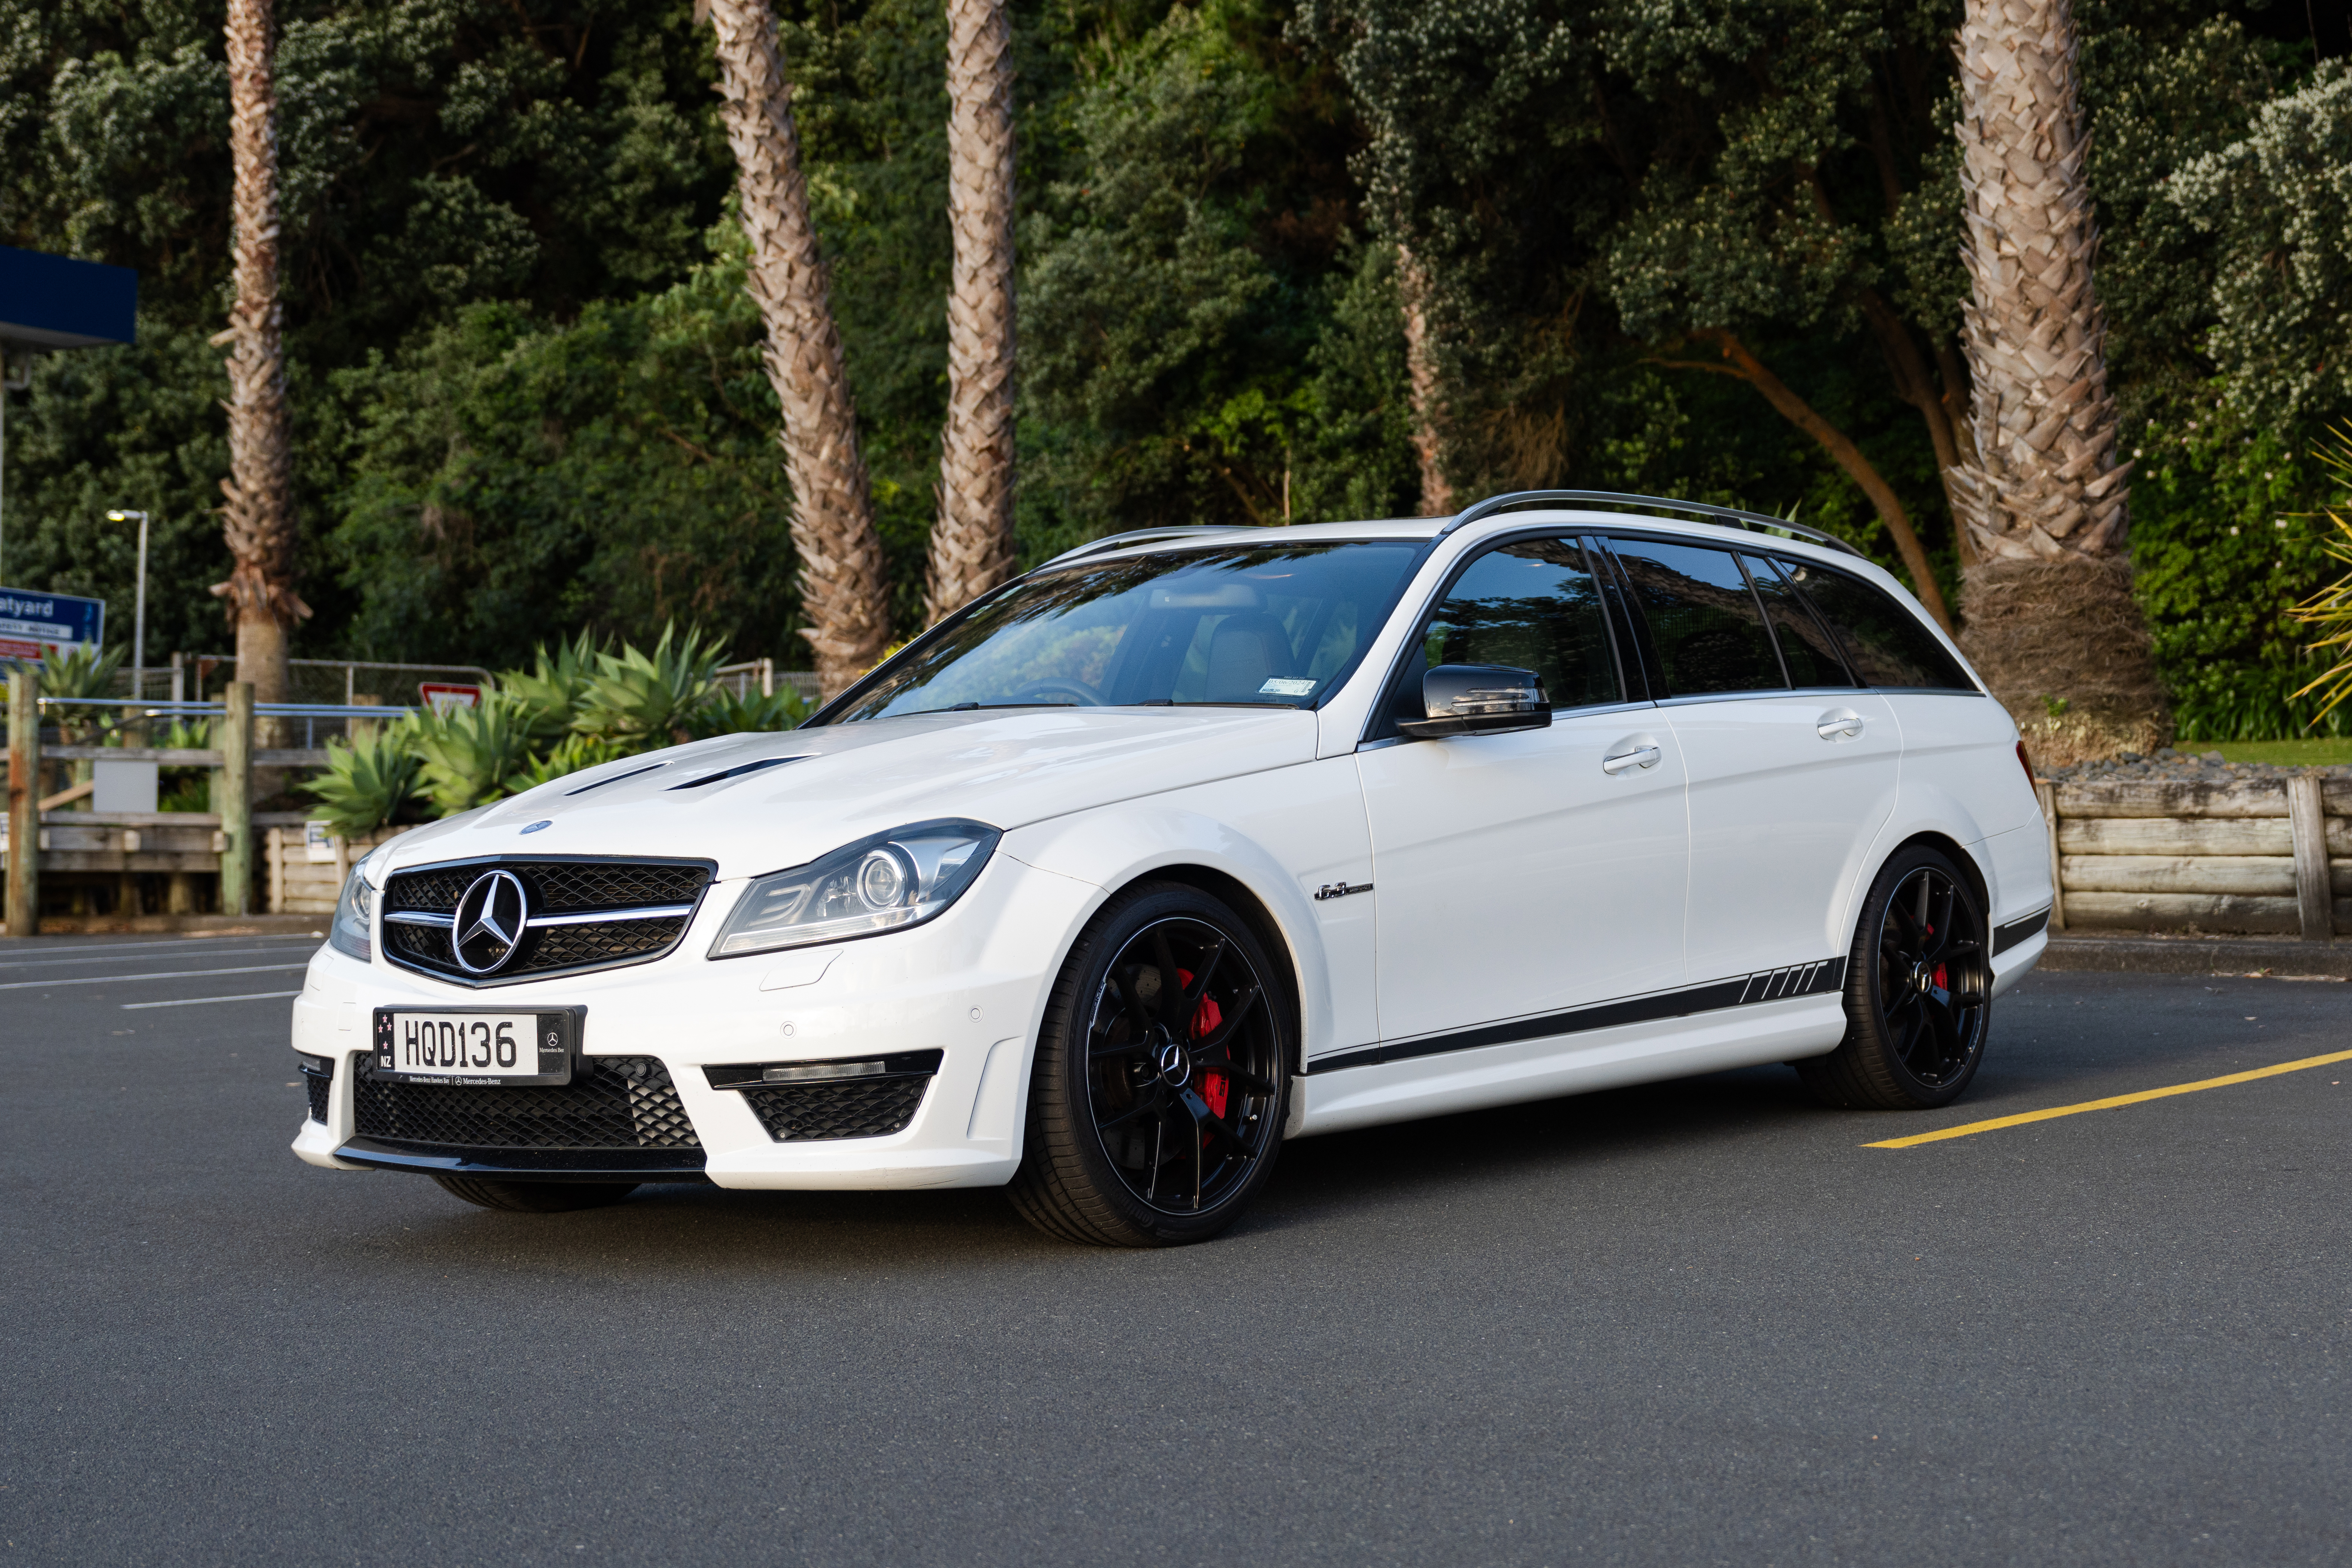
319	1085
612	1102
857	1108
556	887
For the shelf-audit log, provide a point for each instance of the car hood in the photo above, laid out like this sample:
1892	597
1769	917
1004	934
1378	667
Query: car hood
822	788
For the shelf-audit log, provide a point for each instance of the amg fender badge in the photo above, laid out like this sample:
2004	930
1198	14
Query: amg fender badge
1339	890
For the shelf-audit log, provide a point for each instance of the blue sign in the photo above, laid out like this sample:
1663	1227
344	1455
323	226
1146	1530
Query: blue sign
57	302
34	626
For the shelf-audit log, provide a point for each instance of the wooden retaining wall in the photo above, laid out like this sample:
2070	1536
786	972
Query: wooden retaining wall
301	884
2272	856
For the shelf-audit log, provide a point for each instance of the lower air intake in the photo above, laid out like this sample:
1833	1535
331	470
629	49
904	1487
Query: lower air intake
612	1102
849	1108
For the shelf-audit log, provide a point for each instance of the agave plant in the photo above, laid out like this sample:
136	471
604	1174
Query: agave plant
551	691
2329	611
468	754
647	699
728	714
566	757
370	780
79	672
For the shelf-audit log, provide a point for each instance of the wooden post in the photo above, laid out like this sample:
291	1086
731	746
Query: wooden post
233	798
25	802
2047	793
278	850
2306	815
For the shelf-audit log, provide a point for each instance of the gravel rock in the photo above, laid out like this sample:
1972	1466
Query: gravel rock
2170	766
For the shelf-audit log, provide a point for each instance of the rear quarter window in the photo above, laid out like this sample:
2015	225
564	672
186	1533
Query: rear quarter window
1884	643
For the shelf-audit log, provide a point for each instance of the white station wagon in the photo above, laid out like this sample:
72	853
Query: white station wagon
1194	840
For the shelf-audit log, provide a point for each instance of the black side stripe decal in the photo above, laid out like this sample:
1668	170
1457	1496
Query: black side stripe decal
2009	936
1765	985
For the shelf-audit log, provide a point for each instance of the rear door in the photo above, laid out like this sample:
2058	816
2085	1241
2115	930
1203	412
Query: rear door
1794	768
1518	875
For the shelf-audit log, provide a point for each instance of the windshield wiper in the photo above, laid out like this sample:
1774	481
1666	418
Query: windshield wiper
985	706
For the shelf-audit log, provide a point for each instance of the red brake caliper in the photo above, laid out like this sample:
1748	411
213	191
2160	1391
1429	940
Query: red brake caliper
1214	1087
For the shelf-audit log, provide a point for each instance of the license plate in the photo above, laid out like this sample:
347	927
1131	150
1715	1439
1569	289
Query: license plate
476	1044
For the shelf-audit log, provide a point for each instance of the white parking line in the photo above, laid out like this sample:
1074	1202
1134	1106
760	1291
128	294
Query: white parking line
166	974
209	952
183	943
200	1001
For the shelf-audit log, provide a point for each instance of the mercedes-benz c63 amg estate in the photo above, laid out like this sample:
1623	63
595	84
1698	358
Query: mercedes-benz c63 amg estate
1192	841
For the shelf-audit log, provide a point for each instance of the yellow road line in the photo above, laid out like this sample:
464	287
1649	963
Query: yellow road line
2108	1104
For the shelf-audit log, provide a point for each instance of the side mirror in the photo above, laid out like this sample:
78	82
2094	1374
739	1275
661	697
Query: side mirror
1478	699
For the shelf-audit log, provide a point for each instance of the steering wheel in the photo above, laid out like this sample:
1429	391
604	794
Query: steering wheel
1087	697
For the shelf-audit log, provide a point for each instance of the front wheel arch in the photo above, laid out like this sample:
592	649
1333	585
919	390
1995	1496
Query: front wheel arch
1237	896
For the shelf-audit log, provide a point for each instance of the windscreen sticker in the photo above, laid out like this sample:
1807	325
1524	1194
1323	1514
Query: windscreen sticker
1286	686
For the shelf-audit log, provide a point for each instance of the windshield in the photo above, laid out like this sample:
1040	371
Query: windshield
1264	626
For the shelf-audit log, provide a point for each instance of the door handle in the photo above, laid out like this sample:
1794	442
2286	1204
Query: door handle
1833	725
1639	757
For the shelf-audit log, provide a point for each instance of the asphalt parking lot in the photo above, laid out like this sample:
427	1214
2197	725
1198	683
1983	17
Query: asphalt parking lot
1699	1322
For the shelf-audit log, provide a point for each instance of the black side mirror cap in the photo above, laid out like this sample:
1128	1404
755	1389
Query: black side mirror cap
1478	699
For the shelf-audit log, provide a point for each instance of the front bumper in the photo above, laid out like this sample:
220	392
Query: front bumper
971	985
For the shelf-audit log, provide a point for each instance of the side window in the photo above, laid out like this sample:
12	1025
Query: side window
1532	605
1805	644
1703	620
1884	642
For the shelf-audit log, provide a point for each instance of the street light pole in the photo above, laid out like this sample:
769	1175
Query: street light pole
139	616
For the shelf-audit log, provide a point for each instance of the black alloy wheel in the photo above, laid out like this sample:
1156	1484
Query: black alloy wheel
1161	1079
1919	992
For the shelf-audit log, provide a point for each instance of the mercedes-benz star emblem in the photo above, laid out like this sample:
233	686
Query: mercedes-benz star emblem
489	922
1174	1066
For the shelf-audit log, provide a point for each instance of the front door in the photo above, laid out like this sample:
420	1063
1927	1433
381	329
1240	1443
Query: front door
1792	768
1518	875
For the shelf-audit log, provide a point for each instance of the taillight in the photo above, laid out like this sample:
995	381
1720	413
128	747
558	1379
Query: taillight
2025	762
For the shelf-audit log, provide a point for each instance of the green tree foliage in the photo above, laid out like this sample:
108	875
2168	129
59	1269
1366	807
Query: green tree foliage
527	387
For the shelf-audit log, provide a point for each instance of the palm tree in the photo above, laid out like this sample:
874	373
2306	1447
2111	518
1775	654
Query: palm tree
842	595
259	514
972	542
1420	370
2051	617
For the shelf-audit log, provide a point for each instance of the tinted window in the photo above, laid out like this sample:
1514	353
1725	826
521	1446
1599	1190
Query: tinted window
1805	646
1884	642
1704	622
1239	624
1531	604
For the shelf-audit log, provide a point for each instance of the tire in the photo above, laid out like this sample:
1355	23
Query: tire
535	1197
1156	1110
1918	1001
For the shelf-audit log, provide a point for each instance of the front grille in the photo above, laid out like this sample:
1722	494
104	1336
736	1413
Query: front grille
612	1102
552	886
847	1108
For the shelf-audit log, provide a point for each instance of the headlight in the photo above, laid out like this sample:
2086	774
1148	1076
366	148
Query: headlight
885	883
352	930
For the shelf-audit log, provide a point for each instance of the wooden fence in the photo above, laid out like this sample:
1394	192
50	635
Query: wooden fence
2269	855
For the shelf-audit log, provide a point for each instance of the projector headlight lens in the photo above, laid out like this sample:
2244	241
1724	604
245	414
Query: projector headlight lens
888	882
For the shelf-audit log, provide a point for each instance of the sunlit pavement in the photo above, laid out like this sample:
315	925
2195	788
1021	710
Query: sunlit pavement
1692	1324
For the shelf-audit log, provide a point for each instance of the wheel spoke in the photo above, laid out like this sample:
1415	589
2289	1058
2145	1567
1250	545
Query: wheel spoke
1143	1107
1238	1075
1200	986
1166	959
1224	1031
1214	1124
1106	1053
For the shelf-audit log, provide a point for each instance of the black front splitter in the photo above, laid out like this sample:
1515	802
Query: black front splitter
528	1165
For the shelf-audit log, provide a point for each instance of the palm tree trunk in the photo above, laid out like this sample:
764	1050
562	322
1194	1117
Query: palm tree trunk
972	542
2052	622
1421	370
259	515
842	595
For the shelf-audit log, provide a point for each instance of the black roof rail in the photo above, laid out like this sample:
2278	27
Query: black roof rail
1133	536
1755	519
